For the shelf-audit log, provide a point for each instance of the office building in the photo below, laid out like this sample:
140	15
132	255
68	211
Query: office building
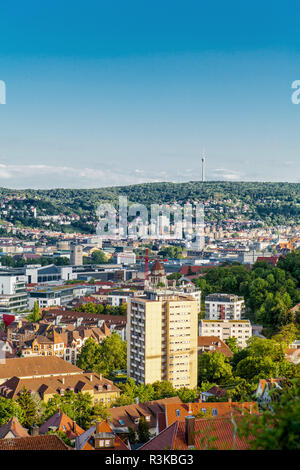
13	295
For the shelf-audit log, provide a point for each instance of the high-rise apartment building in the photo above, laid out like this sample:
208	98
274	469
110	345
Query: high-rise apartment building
224	307
162	339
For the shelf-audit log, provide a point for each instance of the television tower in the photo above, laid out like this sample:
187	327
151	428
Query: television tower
203	165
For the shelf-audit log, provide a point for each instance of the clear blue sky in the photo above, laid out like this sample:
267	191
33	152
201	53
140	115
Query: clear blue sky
116	92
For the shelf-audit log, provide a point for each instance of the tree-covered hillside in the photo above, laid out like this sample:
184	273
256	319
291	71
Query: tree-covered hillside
271	203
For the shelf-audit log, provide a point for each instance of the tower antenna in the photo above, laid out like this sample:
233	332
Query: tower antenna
203	165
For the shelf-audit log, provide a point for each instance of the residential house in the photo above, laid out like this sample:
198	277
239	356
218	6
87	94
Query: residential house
213	344
13	429
100	389
61	422
101	437
124	417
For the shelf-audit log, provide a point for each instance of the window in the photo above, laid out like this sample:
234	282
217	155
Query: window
214	412
203	410
177	413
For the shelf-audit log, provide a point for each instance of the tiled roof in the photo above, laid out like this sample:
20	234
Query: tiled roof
216	343
14	427
47	442
51	385
36	366
84	439
217	433
220	430
223	409
128	413
63	423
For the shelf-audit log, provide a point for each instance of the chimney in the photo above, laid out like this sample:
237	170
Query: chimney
74	426
190	409
229	401
251	406
62	380
190	430
91	377
98	427
35	430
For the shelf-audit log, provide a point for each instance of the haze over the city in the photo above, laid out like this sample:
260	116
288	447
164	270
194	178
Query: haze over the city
129	92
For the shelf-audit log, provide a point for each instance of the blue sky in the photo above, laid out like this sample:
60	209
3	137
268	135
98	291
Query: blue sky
105	93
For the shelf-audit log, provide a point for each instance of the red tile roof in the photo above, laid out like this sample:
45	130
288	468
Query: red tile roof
214	342
47	442
213	433
223	409
63	423
13	426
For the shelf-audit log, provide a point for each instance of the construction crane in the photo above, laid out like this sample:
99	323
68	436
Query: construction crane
147	259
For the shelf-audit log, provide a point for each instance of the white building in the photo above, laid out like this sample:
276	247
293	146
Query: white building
13	295
224	329
125	257
224	307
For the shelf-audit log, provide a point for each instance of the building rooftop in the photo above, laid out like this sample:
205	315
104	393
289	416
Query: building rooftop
37	366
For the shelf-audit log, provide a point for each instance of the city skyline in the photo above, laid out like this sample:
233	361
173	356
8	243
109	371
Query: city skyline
124	94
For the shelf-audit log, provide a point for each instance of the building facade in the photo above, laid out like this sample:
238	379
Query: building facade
224	307
162	340
13	295
224	329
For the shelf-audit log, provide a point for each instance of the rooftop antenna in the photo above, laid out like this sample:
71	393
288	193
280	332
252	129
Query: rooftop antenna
203	165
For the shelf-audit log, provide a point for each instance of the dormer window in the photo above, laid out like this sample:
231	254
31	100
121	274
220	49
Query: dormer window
177	413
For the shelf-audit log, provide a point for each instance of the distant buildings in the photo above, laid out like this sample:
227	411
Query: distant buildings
76	255
13	295
125	258
54	295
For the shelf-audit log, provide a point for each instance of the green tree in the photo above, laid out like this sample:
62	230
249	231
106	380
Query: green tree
8	409
187	395
232	343
98	257
214	367
131	435
163	389
90	355
29	407
143	430
35	316
113	355
277	428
